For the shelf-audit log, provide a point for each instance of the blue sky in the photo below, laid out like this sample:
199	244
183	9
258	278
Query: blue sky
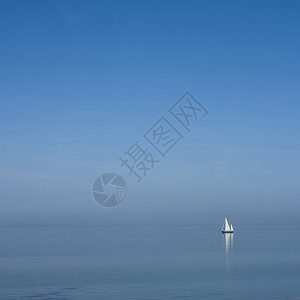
83	80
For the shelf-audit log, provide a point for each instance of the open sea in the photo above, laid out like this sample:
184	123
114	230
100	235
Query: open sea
149	262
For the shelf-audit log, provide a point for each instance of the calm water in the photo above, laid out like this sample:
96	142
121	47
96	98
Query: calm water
149	262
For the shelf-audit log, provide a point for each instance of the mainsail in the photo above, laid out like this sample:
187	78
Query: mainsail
226	226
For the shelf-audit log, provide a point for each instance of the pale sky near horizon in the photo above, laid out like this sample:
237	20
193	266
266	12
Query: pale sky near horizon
81	81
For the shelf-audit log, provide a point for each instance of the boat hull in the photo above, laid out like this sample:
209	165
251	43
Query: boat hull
227	231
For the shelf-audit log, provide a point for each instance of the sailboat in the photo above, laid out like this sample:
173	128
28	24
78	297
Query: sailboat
226	228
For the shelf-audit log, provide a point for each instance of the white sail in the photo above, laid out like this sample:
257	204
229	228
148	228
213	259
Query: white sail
231	227
226	226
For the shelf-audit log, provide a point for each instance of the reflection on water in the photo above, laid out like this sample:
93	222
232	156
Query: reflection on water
228	239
